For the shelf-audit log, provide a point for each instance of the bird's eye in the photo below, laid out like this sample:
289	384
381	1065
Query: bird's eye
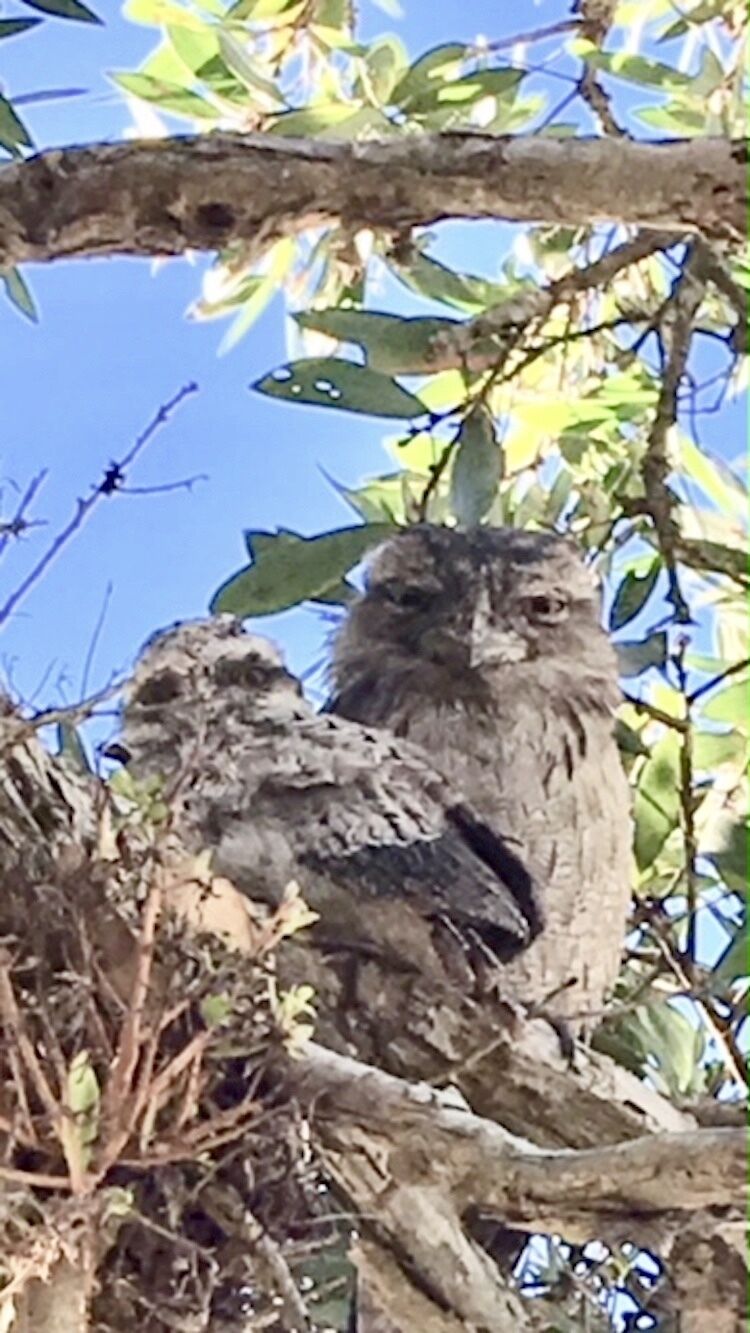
410	596
546	608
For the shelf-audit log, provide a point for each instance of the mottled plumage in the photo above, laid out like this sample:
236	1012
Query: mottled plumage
383	848
485	648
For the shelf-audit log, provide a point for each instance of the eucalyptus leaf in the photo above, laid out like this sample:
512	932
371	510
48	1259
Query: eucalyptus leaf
12	27
734	963
333	382
169	96
13	132
429	72
391	344
477	469
437	281
632	595
657	800
730	704
18	293
288	568
64	9
637	655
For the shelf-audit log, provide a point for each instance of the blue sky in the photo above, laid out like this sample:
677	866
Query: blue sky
113	344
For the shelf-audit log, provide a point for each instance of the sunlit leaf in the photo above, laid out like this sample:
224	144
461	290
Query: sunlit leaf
170	97
287	568
714	478
384	62
429	72
18	292
332	382
730	704
657	799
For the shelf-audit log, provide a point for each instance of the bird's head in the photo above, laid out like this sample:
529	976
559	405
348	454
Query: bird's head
472	606
195	676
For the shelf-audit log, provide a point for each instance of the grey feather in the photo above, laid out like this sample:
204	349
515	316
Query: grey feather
379	842
485	648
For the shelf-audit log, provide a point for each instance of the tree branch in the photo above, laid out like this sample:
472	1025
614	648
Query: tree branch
168	196
422	1138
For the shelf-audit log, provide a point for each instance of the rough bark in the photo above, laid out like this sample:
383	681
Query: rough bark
167	196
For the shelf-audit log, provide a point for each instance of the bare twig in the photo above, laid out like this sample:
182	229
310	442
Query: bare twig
293	1308
95	638
18	524
110	483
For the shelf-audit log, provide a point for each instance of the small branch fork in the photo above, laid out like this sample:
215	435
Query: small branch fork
112	481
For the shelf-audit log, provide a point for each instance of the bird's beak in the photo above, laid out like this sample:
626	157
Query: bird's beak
490	642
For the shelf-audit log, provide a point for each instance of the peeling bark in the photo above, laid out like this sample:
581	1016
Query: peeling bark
167	196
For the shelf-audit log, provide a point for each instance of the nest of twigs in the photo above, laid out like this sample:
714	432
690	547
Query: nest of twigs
145	1140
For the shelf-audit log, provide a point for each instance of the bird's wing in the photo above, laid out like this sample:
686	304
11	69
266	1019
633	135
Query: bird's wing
368	811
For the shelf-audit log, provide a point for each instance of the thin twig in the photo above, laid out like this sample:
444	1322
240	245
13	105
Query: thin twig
13	527
13	729
717	680
96	634
111	482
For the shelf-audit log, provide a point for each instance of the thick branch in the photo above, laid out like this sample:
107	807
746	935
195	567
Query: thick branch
167	196
422	1138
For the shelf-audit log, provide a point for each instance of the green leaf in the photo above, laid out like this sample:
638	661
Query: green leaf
169	96
715	479
463	92
70	747
632	595
710	749
384	64
727	850
660	1041
391	344
731	704
313	120
13	132
635	69
656	807
428	73
734	963
64	9
674	120
17	291
194	48
477	468
82	1097
10	27
637	655
288	569
332	382
440	283
249	71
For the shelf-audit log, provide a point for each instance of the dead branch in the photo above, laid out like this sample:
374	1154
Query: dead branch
168	196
